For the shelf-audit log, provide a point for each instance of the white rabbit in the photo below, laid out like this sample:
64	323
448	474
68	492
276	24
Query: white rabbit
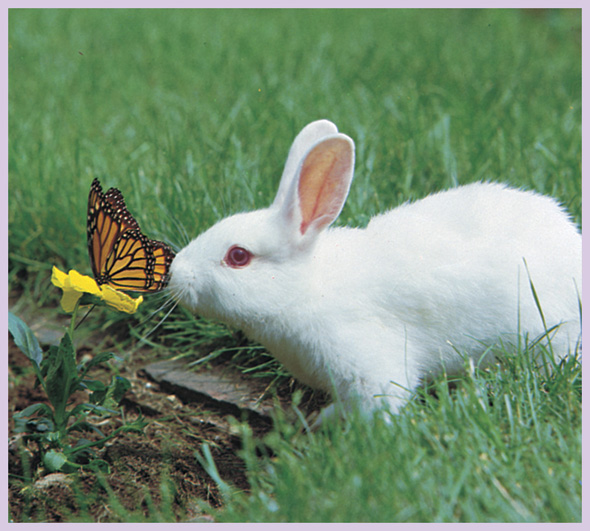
371	313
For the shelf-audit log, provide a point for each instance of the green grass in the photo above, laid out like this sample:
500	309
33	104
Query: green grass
191	114
504	446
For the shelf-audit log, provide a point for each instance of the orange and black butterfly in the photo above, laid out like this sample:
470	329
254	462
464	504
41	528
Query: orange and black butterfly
121	256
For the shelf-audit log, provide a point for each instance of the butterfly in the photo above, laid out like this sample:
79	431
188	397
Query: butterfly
121	256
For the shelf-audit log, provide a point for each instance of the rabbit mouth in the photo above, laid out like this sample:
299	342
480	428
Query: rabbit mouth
182	290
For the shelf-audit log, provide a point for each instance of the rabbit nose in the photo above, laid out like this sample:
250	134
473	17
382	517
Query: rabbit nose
182	280
180	264
178	270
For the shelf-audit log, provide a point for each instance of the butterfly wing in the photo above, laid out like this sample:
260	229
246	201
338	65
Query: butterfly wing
131	263
163	256
120	254
108	218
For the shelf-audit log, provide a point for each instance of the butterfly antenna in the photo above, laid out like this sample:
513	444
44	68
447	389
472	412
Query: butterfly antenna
83	318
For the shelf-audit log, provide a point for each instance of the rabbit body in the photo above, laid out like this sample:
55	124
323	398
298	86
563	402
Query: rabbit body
370	313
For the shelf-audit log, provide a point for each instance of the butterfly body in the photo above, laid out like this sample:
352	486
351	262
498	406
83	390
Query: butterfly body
121	256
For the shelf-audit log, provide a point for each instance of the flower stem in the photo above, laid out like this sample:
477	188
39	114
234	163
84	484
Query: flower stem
73	321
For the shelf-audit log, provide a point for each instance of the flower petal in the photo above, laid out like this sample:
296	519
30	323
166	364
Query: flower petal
83	283
69	299
119	300
58	277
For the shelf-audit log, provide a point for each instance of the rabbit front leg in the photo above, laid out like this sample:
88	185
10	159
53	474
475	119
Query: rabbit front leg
379	376
368	400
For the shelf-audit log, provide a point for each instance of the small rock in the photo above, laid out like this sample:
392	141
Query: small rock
222	388
51	480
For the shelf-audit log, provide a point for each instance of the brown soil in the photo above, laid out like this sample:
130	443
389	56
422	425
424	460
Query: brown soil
153	475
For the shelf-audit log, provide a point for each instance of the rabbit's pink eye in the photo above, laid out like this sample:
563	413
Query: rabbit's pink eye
238	257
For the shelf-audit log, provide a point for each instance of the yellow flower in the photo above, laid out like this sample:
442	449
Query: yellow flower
75	285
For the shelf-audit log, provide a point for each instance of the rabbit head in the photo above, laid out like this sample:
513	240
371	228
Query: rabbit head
247	266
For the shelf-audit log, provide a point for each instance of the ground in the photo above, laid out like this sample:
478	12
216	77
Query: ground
154	474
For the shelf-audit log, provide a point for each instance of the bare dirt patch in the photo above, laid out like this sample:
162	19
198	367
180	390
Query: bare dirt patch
152	475
141	466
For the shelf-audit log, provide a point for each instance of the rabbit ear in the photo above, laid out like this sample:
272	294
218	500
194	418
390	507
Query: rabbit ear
308	136
321	185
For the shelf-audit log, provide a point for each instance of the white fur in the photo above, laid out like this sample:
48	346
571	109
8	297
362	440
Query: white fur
370	313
